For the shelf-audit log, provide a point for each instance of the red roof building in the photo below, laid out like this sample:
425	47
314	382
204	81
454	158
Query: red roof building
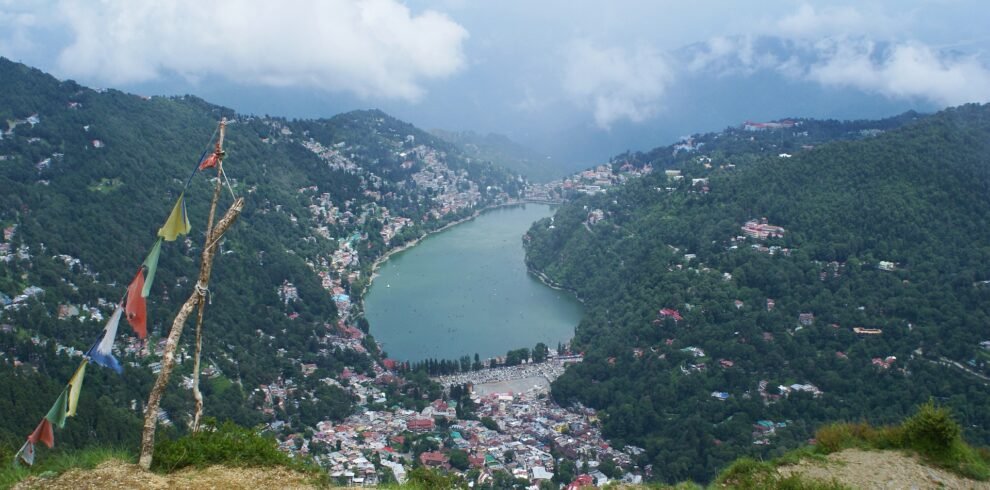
668	312
761	230
433	459
476	461
420	425
581	481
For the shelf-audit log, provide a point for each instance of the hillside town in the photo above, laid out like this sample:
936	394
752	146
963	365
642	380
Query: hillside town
522	433
588	182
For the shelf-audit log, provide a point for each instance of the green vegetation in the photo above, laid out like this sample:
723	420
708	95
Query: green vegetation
749	474
502	151
909	192
220	444
931	433
106	185
58	462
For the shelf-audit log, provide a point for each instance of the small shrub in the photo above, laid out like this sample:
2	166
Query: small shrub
227	444
932	431
833	437
798	482
889	437
747	473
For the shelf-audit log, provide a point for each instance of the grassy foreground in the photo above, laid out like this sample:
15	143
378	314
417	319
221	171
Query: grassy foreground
931	434
58	462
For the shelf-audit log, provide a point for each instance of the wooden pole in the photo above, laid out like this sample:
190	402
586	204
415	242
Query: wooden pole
197	297
198	395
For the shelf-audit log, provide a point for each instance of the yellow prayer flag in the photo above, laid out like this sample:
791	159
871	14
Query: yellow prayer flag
177	223
75	386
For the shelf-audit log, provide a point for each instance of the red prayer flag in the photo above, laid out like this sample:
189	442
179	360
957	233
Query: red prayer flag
208	162
136	307
43	433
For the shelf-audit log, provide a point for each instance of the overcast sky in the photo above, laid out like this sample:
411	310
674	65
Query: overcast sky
515	67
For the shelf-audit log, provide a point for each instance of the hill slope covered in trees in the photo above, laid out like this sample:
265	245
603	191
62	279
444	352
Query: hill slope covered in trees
704	342
86	179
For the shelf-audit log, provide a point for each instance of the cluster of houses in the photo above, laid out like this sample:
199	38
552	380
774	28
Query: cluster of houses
593	181
763	430
20	300
452	190
527	425
12	124
7	251
392	226
549	192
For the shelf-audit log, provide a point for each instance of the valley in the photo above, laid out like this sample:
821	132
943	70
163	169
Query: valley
722	296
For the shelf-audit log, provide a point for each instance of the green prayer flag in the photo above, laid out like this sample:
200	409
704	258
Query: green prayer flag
57	414
177	223
152	265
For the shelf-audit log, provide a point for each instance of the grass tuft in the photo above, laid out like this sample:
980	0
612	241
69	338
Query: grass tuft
58	462
747	473
931	433
225	444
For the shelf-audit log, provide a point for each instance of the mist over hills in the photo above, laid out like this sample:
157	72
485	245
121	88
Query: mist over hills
739	78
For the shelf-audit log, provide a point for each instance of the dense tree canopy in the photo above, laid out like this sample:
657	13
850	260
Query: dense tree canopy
884	230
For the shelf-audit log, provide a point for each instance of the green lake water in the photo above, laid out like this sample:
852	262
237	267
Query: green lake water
466	290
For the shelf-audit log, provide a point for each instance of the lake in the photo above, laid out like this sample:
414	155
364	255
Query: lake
466	290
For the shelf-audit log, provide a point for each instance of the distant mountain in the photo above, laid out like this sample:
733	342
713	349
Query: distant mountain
86	179
772	277
501	150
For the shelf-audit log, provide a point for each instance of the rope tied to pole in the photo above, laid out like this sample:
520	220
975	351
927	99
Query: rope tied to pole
204	292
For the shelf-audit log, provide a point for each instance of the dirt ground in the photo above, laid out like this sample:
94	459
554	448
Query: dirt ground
513	385
857	468
120	475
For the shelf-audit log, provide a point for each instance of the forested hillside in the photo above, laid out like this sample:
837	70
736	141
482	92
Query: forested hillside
509	154
86	179
773	280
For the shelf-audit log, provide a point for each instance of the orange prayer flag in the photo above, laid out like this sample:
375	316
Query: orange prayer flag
209	162
136	308
43	433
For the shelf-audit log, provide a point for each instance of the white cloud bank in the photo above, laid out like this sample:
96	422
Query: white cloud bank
859	47
616	83
372	48
904	70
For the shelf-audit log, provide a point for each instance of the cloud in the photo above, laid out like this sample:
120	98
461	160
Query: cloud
846	47
808	22
372	48
17	21
905	70
616	83
739	55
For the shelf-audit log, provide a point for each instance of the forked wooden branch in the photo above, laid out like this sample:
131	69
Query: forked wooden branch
168	359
